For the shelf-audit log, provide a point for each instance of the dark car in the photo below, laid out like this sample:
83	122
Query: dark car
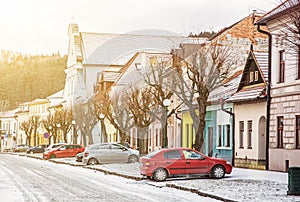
79	157
164	163
37	149
67	150
21	148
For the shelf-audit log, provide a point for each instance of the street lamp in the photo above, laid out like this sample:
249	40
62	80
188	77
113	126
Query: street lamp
74	132
166	103
102	116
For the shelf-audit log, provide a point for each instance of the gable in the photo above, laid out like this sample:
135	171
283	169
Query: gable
252	74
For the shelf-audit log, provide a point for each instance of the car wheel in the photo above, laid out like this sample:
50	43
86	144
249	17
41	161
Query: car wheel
160	174
92	161
218	172
133	159
52	156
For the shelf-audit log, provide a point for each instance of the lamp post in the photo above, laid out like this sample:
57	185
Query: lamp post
58	126
102	116
74	132
166	103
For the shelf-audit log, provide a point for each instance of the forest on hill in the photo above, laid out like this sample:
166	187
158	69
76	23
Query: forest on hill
24	78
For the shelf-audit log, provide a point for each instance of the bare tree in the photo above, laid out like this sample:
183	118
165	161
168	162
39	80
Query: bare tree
140	105
49	125
120	116
64	118
197	76
84	114
290	34
35	120
158	79
27	127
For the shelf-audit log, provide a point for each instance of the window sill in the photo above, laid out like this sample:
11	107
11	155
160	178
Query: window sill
224	148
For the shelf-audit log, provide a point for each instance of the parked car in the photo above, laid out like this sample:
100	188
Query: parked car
55	145
66	150
37	149
164	163
79	157
21	148
109	152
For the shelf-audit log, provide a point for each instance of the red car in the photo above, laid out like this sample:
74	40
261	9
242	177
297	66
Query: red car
160	164
67	150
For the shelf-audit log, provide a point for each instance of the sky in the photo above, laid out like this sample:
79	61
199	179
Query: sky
41	26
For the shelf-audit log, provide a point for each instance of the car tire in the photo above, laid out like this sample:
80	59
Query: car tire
133	159
160	174
52	156
92	161
218	172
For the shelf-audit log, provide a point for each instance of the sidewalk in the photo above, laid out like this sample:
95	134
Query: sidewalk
241	185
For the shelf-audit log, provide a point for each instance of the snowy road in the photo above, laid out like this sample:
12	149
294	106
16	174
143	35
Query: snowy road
28	179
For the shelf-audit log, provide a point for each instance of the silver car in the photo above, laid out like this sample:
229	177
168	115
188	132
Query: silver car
109	153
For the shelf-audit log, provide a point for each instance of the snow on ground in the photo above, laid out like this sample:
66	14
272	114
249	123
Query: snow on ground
240	185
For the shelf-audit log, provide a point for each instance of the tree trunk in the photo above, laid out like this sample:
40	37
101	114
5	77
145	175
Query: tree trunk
199	140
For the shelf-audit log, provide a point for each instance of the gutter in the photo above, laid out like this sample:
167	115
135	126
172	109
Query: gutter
268	92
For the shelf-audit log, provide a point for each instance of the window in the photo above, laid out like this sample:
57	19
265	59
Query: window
189	154
256	75
220	136
251	77
224	135
227	135
172	155
241	134
280	131
281	66
249	134
298	132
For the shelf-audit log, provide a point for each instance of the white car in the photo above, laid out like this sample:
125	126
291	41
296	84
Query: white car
109	152
55	145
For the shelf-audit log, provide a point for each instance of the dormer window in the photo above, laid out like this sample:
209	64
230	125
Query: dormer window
256	76
251	77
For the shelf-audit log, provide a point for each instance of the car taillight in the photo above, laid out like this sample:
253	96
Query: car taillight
85	154
147	163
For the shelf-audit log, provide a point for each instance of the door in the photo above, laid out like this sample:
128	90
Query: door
262	139
119	153
195	162
174	162
102	153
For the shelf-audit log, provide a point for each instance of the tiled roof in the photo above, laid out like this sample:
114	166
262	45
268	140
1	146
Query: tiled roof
279	10
249	93
117	49
262	62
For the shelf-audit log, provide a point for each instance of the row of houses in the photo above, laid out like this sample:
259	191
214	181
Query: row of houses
253	119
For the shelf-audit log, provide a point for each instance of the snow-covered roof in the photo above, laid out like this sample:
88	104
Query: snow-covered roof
9	113
117	49
281	9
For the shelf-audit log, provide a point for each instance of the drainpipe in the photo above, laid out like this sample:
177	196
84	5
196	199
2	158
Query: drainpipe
233	129
268	93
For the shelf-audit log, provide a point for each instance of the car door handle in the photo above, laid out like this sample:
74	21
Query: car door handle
168	162
188	162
